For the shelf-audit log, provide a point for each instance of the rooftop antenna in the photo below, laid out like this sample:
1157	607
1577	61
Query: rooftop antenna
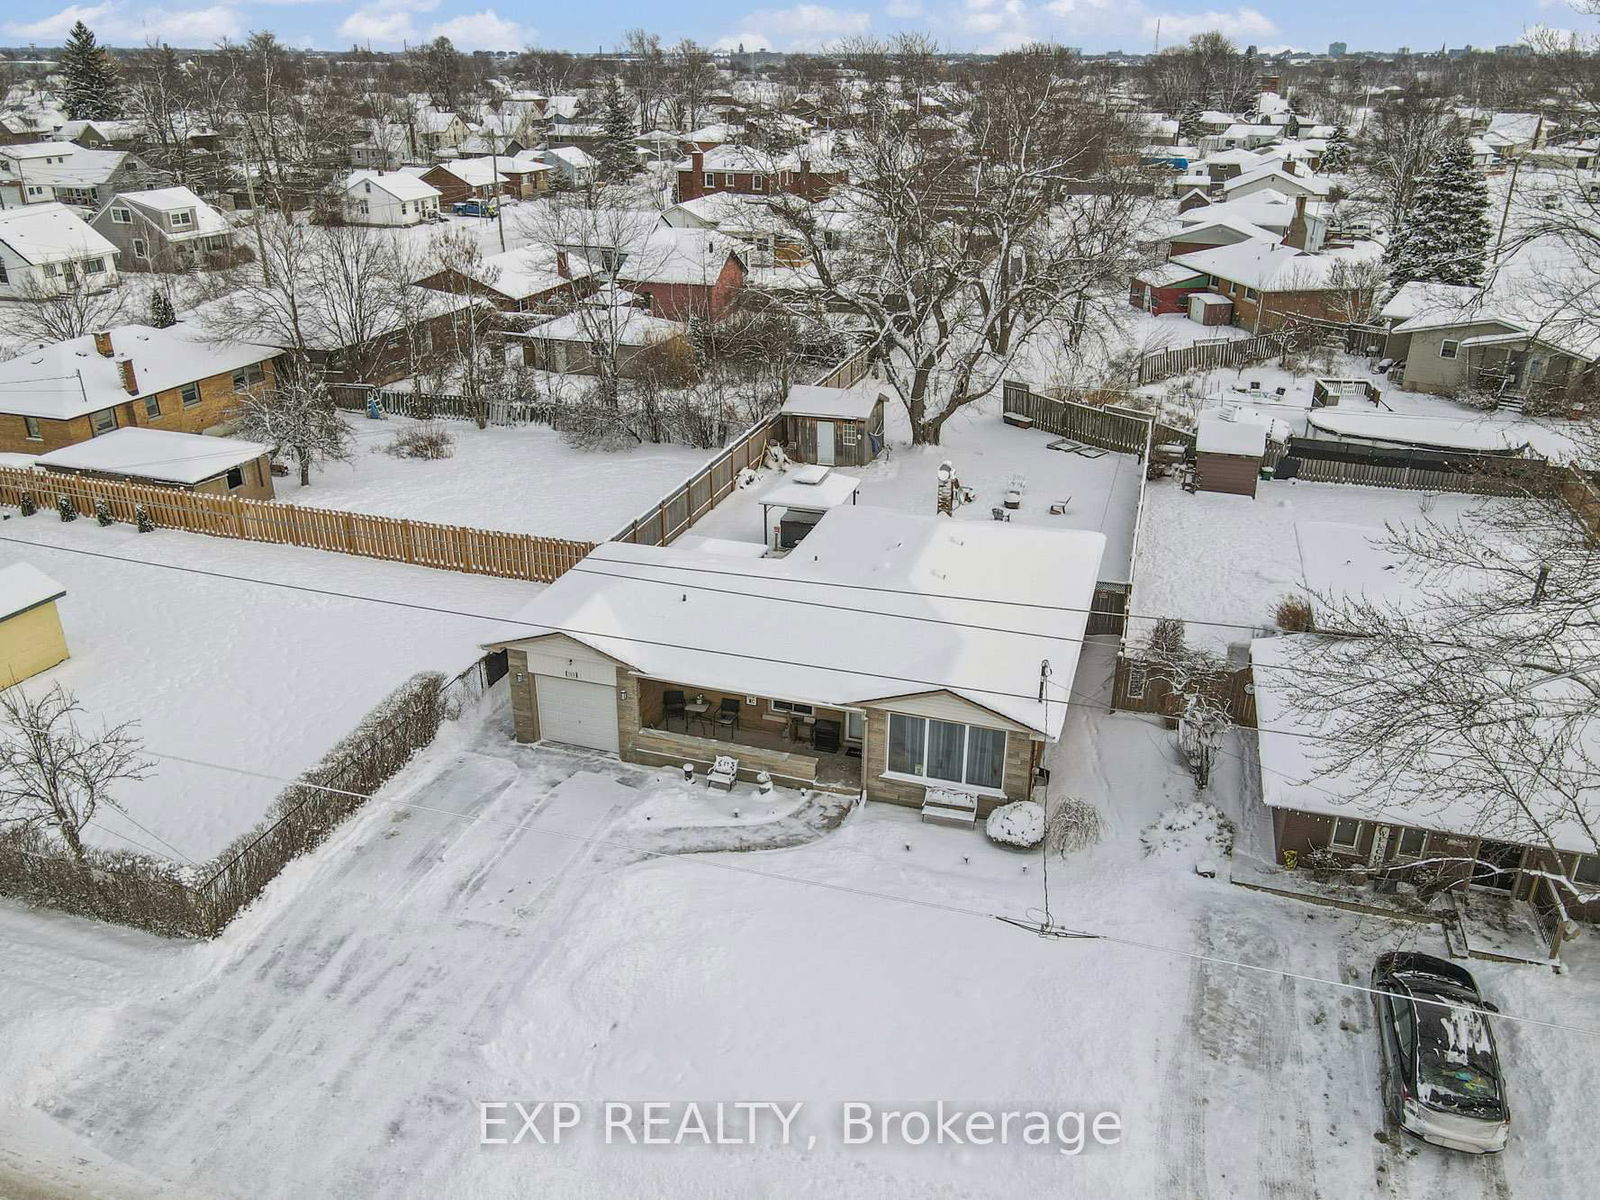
1044	677
1157	48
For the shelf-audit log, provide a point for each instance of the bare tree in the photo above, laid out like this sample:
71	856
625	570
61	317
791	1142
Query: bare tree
56	314
295	417
55	773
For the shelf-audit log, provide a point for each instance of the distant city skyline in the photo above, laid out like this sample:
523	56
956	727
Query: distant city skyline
1133	26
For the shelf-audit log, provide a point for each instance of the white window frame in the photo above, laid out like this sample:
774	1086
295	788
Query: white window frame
1333	834
109	414
933	780
30	429
140	248
1449	348
121	216
758	182
152	407
711	179
188	390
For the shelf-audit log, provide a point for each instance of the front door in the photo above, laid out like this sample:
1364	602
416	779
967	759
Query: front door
825	443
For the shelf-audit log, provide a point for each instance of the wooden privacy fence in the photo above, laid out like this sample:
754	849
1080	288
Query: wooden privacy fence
1208	356
1139	687
424	406
1506	477
396	539
1104	427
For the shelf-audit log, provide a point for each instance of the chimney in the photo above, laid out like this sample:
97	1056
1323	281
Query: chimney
102	343
697	173
1289	166
130	381
562	268
1295	235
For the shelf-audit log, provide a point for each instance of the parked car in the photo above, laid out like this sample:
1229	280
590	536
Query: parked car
474	208
1441	1073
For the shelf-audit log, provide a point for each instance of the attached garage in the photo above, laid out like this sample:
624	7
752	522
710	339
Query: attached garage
576	712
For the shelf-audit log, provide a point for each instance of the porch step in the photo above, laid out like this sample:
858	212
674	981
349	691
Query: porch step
944	806
1514	404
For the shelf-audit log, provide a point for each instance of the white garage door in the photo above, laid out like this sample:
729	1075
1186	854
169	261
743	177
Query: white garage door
578	713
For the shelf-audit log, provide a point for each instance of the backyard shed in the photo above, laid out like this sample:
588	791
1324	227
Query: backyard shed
31	638
1228	454
835	427
1208	308
192	461
803	500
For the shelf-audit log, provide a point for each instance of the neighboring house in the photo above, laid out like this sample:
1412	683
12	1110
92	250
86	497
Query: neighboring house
1165	289
437	132
132	375
468	179
31	637
839	693
191	462
524	280
806	172
387	146
1511	135
1287	178
1268	216
579	342
168	229
679	273
1241	136
47	248
1342	812
747	220
528	172
389	198
41	171
577	168
1450	349
835	426
1270	283
99	135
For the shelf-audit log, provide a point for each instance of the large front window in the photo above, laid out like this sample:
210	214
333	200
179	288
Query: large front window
947	751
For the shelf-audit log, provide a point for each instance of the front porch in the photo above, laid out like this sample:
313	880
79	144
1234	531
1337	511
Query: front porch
799	745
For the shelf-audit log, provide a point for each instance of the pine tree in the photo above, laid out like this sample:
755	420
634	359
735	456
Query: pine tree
102	513
1444	236
142	521
66	509
618	158
92	91
1336	155
1189	127
162	314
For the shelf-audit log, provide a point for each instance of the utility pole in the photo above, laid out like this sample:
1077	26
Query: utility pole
1505	211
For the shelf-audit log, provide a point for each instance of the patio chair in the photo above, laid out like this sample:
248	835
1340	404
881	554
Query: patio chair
728	713
672	705
724	772
825	737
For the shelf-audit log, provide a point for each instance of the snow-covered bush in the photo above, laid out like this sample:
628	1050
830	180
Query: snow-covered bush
1018	824
28	504
424	440
1193	828
102	513
1074	825
66	509
141	519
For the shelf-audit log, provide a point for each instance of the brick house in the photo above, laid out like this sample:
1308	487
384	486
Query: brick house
126	377
663	676
748	172
524	280
1271	283
679	273
469	179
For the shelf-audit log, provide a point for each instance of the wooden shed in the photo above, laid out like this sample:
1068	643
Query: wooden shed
1228	454
193	462
835	427
31	638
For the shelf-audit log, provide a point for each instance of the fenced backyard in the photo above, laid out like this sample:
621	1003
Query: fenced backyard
427	406
396	539
1210	355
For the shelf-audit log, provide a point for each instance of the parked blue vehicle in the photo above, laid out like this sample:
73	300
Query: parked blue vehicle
475	208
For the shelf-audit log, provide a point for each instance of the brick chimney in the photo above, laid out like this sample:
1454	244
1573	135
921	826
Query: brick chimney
697	174
1289	167
1295	235
102	343
130	381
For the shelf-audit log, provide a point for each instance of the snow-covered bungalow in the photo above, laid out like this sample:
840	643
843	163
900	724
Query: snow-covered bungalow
922	662
1383	827
835	426
190	462
390	198
47	248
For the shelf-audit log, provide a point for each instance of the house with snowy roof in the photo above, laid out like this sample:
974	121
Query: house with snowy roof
527	279
1272	283
31	637
914	660
130	375
461	179
190	462
168	229
48	248
389	198
31	173
1285	177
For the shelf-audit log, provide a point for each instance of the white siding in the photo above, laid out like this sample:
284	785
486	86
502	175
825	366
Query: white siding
943	706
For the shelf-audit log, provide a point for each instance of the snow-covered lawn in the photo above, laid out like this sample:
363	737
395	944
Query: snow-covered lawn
520	479
235	672
1207	556
477	935
1100	493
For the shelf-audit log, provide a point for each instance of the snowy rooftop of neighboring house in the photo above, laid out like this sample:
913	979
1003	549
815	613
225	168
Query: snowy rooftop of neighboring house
1222	433
1444	433
849	403
1246	130
402	185
729	210
1246	160
1296	181
1516	128
1272	266
28	151
528	271
475	172
1166	274
110	130
528	162
69	379
1270	210
660	254
817	155
207	220
1420	301
1000	598
160	454
82	168
1199	231
432	120
24	586
573	156
1290	743
717	131
624	326
45	233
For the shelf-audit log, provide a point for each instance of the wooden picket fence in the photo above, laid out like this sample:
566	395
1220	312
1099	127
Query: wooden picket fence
1104	427
396	539
1210	355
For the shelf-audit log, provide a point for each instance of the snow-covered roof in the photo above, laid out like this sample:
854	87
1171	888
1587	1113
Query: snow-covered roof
1295	182
1001	598
70	379
1222	433
24	586
1271	266
45	233
624	326
1424	300
207	220
474	172
1408	429
402	185
1292	743
573	156
849	403
1166	274
821	491
528	271
159	454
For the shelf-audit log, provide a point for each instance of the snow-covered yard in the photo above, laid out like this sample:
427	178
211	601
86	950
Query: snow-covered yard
479	934
520	479
234	672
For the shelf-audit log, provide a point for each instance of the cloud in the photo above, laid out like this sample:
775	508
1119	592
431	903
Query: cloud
120	24
385	22
903	9
1238	22
485	30
800	27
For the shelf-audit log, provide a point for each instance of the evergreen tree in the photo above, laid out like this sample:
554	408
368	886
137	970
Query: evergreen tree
618	158
162	315
1336	155
1189	127
92	91
1444	236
